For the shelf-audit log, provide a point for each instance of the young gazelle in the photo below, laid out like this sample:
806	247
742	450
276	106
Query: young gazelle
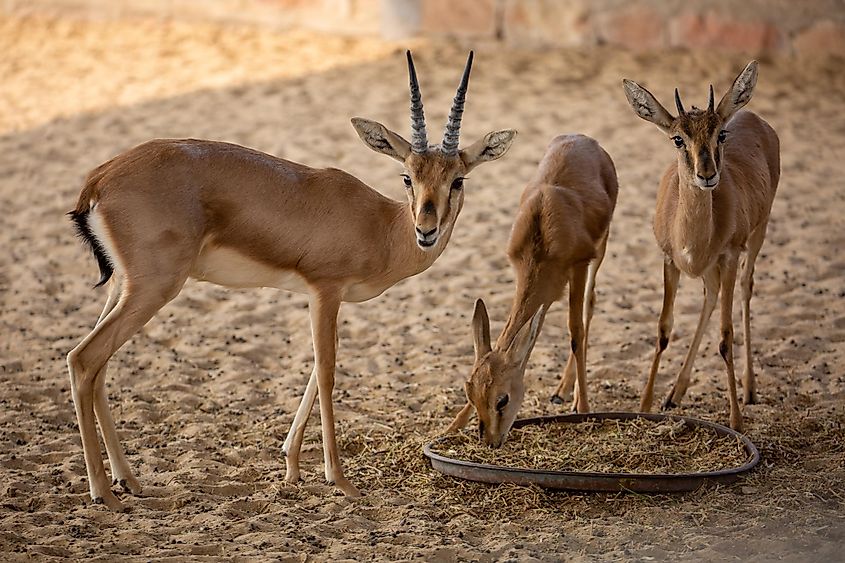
559	237
712	203
168	210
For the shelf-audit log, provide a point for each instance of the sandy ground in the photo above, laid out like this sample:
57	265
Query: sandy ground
205	393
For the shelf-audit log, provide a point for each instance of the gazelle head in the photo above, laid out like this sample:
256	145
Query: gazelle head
698	134
495	387
434	174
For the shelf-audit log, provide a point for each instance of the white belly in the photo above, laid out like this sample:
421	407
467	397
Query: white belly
362	292
230	268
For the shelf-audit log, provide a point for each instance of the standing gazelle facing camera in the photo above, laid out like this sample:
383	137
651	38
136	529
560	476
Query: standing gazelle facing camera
713	203
559	237
168	210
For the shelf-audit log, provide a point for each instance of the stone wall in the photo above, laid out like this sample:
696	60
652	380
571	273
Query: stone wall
803	27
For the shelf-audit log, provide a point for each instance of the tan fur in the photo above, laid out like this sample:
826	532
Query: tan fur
173	209
702	229
559	233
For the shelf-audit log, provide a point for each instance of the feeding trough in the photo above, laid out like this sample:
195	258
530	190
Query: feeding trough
448	462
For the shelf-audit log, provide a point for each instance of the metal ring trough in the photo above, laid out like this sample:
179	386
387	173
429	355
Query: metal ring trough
593	481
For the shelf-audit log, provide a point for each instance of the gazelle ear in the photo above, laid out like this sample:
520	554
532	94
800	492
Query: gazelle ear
494	145
481	330
524	340
646	105
381	139
739	93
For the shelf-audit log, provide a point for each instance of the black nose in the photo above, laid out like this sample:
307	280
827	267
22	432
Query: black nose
708	178
426	234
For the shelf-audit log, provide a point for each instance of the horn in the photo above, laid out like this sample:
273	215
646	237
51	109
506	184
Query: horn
419	140
678	103
453	126
710	102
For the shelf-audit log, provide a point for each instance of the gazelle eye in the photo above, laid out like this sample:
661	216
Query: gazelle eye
407	180
722	136
458	184
502	402
678	141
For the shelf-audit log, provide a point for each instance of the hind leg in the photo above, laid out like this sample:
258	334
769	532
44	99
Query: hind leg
121	473
755	241
293	443
578	336
568	380
86	364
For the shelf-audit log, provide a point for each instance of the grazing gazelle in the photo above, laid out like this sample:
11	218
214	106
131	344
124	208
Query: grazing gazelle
559	237
168	210
713	203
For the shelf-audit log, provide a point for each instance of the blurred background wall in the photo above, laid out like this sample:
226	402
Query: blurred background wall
802	27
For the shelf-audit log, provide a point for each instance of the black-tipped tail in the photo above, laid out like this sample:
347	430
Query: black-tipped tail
83	230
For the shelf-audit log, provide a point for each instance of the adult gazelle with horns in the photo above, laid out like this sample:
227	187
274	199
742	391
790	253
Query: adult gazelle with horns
168	210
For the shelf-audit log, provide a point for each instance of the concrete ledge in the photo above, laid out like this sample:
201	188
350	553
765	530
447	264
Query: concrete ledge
807	28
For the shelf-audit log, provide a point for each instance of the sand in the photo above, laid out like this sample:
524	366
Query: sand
205	393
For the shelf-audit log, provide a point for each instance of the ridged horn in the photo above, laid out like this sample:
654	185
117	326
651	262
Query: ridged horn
678	103
453	127
710	102
419	139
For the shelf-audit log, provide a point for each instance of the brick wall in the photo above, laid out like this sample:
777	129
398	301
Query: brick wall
803	27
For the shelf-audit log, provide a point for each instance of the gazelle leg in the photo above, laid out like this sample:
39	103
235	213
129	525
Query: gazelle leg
671	276
461	419
755	241
577	334
115	289
324	309
293	442
120	469
711	295
86	361
568	379
727	274
121	472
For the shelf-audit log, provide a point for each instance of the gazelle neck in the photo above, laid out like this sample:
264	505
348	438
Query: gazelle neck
692	228
526	301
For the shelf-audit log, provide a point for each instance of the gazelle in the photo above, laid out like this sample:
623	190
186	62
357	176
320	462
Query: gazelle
712	203
559	237
168	210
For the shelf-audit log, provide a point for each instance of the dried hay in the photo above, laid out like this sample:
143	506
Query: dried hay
388	462
636	445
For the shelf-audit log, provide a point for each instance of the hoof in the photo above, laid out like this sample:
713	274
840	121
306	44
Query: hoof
293	477
556	399
669	404
130	485
110	501
347	488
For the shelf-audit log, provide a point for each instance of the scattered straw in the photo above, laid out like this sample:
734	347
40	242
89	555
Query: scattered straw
606	446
